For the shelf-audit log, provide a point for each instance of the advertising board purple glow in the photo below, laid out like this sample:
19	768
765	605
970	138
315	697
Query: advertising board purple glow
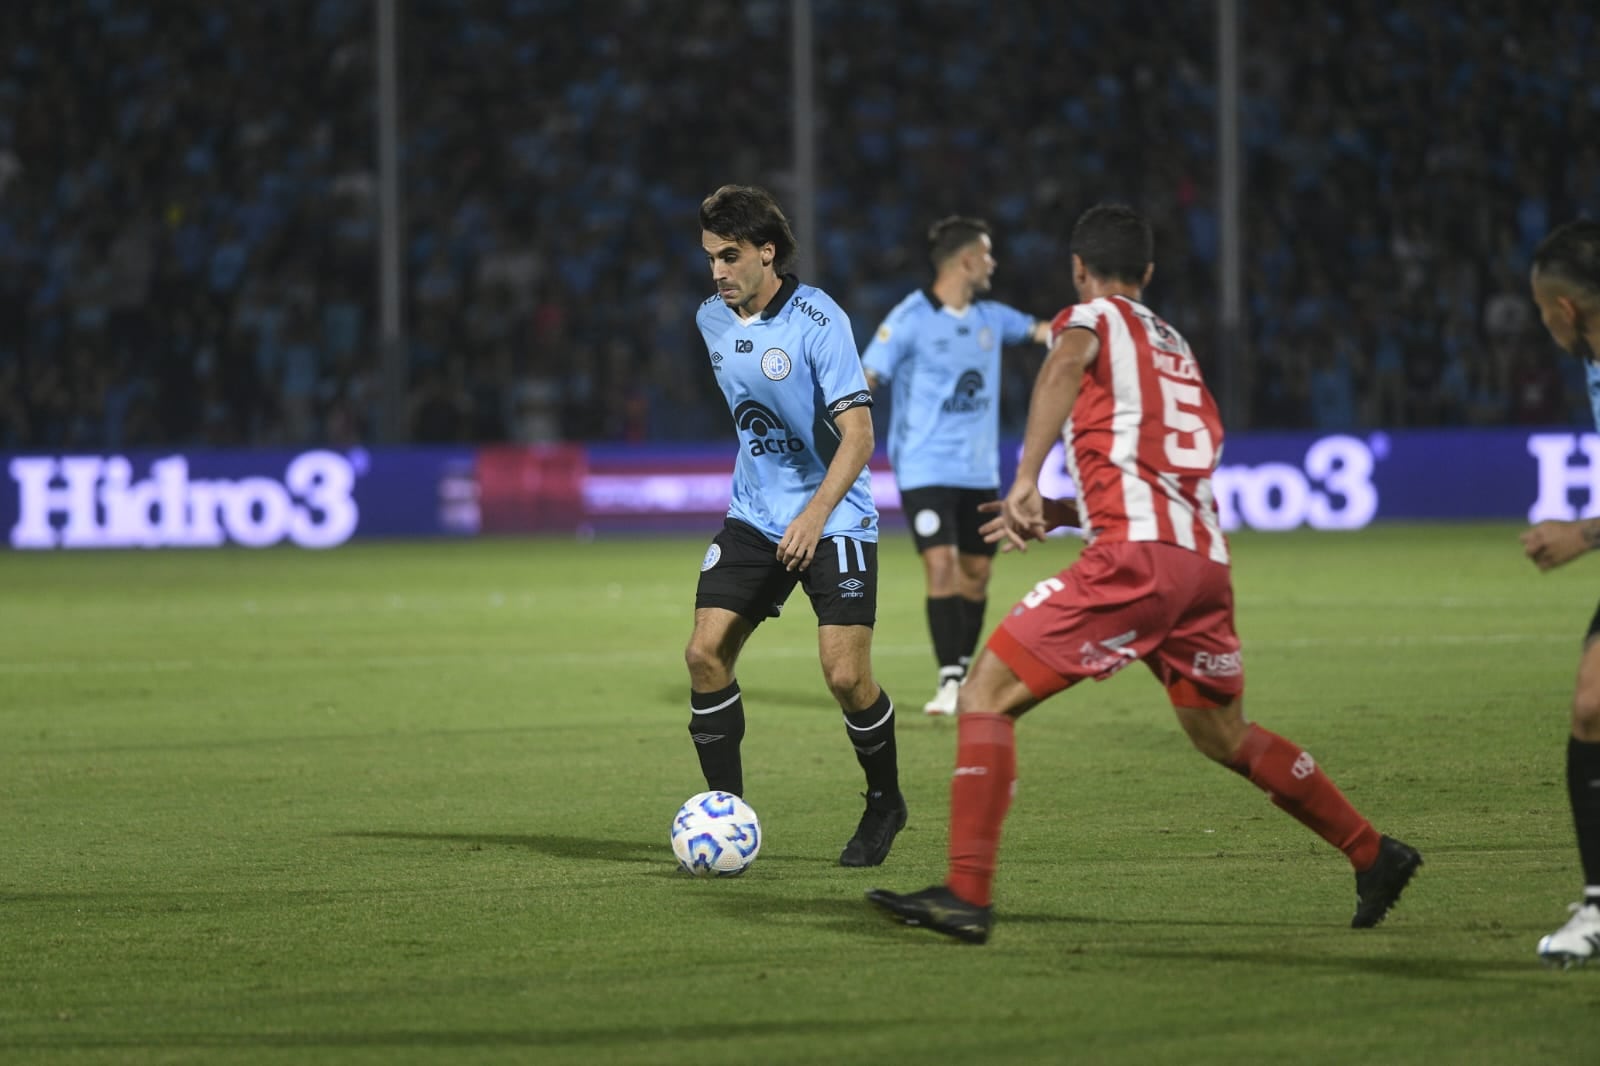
323	498
206	499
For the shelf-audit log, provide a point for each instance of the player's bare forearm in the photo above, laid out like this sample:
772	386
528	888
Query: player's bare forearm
856	441
1553	543
1000	530
1058	513
1055	390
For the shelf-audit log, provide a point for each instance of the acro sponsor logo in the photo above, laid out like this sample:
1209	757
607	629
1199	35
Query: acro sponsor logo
769	435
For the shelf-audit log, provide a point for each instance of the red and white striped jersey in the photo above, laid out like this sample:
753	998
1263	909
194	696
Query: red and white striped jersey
1144	435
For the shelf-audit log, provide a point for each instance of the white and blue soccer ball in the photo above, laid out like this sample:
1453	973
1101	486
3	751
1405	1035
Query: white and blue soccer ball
716	834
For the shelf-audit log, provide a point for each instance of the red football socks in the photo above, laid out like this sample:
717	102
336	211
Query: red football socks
980	795
1293	781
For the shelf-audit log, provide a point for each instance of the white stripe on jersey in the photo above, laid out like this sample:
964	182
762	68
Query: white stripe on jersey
1127	413
1178	512
1085	520
1208	518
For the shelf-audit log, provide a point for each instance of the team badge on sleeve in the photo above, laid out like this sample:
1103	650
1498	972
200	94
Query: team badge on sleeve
883	332
775	364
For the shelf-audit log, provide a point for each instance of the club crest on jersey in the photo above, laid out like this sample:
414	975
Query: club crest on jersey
713	555
775	364
883	333
985	338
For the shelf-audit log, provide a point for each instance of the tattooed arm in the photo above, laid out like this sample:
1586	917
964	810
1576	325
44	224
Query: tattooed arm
1550	544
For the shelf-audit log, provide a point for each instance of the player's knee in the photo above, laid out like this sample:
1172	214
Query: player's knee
1216	732
1213	744
851	686
941	574
991	688
975	571
705	664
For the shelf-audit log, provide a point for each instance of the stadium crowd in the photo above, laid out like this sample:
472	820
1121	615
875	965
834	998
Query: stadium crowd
188	232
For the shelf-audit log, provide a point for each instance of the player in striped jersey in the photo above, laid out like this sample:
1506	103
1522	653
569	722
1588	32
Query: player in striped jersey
1566	286
1142	434
938	352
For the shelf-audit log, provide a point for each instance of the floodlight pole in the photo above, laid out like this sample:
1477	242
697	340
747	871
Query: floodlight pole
1231	356
802	90
391	333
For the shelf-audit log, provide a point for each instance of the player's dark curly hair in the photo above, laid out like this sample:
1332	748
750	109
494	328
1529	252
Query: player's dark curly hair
952	233
1571	253
749	213
1114	242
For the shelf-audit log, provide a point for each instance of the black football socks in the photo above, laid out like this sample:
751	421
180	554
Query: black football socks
946	618
717	726
1583	787
971	626
872	735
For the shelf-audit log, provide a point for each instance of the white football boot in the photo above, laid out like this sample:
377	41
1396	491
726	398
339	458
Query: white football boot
944	700
1576	942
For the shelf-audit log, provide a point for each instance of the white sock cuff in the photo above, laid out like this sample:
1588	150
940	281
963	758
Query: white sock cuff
869	728
730	701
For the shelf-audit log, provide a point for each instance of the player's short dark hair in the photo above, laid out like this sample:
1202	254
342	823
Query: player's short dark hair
749	213
1114	242
1571	253
952	233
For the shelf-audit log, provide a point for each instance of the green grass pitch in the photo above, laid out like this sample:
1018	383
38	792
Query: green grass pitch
409	802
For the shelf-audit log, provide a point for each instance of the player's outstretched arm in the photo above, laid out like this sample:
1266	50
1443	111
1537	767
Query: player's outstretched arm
1057	513
1553	543
1055	390
799	542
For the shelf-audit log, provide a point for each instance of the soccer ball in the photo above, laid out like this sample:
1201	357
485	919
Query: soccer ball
715	834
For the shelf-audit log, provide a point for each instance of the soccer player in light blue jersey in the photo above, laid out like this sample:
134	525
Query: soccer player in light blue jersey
939	353
801	509
1566	286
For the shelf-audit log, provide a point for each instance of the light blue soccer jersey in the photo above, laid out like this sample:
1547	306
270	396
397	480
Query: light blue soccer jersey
943	368
1591	375
785	374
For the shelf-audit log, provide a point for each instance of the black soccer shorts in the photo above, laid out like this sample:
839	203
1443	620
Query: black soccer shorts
943	515
741	573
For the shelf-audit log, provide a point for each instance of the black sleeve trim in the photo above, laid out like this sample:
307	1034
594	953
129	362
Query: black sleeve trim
855	399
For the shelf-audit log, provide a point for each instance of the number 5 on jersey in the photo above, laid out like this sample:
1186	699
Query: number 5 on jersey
1181	404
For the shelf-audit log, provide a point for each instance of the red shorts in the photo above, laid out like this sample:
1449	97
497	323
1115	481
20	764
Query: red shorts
1122	603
